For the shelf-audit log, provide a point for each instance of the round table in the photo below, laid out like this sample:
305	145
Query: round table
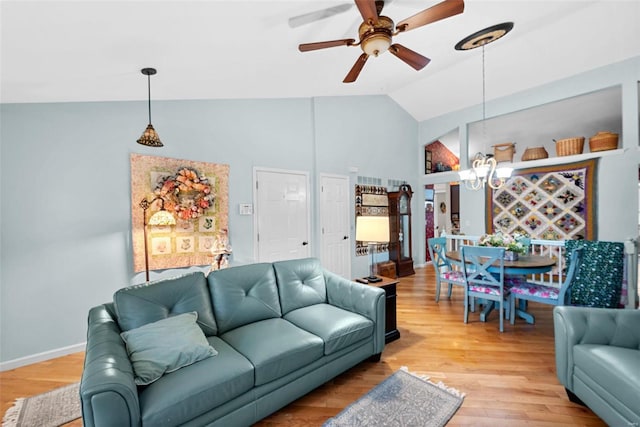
524	265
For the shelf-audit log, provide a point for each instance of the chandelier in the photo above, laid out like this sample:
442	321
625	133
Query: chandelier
484	170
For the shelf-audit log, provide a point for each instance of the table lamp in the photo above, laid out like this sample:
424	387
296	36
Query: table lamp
372	230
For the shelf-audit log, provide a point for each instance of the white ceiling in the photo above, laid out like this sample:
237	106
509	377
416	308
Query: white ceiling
55	51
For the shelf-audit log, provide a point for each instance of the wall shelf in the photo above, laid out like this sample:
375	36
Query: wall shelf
555	160
452	176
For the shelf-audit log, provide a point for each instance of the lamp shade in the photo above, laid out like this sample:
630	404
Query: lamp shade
372	228
150	138
162	217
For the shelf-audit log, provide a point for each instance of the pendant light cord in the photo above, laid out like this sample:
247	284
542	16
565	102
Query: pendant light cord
484	107
149	95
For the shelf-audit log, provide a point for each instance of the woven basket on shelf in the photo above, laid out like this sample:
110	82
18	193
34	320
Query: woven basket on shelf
603	141
570	146
504	152
534	153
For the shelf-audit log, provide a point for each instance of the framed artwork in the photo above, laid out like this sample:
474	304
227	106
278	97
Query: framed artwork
371	200
550	202
195	193
428	166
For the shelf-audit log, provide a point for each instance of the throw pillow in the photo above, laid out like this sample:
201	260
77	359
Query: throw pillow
166	346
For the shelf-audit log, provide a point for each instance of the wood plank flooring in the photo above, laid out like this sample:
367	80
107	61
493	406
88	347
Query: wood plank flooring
509	378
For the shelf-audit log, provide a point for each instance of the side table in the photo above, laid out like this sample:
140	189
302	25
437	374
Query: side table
391	332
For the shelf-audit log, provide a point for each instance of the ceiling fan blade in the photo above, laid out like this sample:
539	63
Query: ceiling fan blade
412	58
306	47
368	10
435	13
307	18
355	70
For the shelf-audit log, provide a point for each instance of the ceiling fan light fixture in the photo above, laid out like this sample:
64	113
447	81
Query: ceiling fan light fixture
376	44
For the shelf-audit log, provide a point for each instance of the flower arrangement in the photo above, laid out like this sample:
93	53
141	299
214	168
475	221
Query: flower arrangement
510	242
185	193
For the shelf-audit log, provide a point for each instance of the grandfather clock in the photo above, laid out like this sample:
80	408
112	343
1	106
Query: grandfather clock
400	230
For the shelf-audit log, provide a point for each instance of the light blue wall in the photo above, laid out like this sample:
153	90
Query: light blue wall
350	133
66	199
617	180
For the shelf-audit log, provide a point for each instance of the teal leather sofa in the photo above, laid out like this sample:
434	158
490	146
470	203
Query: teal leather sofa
598	360
280	330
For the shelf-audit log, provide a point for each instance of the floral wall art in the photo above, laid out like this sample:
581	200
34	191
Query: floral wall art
196	193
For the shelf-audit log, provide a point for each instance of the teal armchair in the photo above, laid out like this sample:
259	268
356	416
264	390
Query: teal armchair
598	360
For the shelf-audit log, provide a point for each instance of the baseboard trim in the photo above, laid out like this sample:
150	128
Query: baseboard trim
41	357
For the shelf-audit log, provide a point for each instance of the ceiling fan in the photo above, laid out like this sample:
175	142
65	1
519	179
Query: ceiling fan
376	33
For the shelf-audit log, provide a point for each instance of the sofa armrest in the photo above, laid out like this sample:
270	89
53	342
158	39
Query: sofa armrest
107	390
589	325
366	300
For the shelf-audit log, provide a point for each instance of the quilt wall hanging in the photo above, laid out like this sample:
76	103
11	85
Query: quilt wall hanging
549	202
371	200
196	193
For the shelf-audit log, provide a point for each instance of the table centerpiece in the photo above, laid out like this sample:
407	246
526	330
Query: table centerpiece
512	243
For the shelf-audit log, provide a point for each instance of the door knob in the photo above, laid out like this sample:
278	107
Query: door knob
305	243
345	237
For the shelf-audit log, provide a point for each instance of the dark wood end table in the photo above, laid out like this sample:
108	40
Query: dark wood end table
391	332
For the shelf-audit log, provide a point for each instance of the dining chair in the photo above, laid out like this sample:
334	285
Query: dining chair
544	294
483	271
444	268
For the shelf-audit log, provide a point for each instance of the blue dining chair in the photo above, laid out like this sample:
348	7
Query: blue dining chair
527	291
483	270
445	273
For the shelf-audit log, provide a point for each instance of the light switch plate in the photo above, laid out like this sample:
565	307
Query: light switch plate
246	209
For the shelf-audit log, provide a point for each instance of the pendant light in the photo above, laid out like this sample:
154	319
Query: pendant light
149	138
484	170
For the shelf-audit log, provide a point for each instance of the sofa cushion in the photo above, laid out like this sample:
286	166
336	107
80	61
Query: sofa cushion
141	304
338	328
275	347
196	389
300	283
615	369
165	346
243	295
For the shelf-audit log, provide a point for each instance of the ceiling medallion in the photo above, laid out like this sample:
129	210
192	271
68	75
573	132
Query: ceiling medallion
484	37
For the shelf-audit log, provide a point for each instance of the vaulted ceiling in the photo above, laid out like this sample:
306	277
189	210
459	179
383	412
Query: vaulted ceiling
59	51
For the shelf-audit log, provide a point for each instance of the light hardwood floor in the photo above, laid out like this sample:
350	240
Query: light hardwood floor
509	379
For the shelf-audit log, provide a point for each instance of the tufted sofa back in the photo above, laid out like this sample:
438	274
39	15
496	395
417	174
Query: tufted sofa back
300	283
141	304
243	294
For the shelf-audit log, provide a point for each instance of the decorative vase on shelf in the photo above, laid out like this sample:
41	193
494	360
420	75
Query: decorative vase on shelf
510	256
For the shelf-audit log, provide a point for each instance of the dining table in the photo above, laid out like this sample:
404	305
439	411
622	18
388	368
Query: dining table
523	266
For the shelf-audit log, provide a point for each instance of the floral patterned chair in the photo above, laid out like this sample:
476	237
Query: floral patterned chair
483	270
445	273
527	291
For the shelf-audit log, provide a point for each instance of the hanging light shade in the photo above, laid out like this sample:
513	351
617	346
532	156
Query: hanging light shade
149	137
484	170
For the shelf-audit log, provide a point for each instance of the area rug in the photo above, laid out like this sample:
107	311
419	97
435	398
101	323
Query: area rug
401	400
50	409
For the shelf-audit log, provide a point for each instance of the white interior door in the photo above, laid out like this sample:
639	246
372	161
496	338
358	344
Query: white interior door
282	215
334	224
